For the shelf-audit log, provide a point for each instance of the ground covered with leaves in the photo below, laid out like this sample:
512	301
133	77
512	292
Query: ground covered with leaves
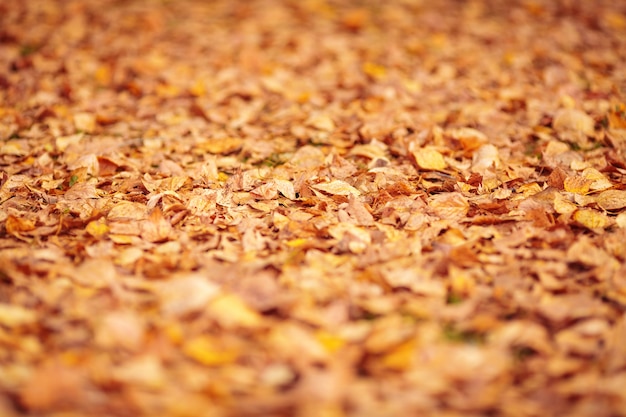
312	208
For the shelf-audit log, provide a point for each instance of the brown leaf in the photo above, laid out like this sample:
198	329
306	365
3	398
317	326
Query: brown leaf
156	228
450	206
573	120
612	199
336	187
53	387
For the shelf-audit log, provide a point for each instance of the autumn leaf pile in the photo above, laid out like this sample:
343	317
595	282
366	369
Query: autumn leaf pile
312	208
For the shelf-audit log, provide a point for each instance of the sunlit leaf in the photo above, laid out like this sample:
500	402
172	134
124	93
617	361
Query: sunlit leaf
337	187
591	219
207	351
429	158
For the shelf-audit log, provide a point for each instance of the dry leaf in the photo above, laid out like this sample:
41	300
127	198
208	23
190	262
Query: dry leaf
156	228
208	351
221	145
577	184
337	187
15	316
97	228
232	312
574	120
17	225
486	158
315	208
85	122
429	158
591	219
612	199
450	206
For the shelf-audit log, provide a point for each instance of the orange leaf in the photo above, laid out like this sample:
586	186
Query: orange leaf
15	225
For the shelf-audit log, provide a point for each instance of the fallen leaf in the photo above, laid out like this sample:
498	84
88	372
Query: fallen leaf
612	199
574	120
577	184
450	206
486	158
232	312
337	187
15	316
429	158
207	351
591	219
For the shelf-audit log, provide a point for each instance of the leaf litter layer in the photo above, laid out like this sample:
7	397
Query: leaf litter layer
296	208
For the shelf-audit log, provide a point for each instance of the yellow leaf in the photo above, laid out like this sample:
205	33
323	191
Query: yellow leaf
198	89
221	145
14	316
97	228
429	158
562	205
460	281
374	70
321	122
598	180
103	75
591	219
331	342
230	311
85	122
14	225
297	243
401	357
485	158
337	187
205	350
577	184
175	333
167	90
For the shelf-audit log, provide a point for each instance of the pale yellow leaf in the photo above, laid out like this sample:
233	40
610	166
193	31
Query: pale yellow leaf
221	145
286	188
321	122
145	371
85	122
573	120
485	158
620	220
128	210
337	187
451	206
599	181
81	191
562	205
429	158
15	316
612	199
230	312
